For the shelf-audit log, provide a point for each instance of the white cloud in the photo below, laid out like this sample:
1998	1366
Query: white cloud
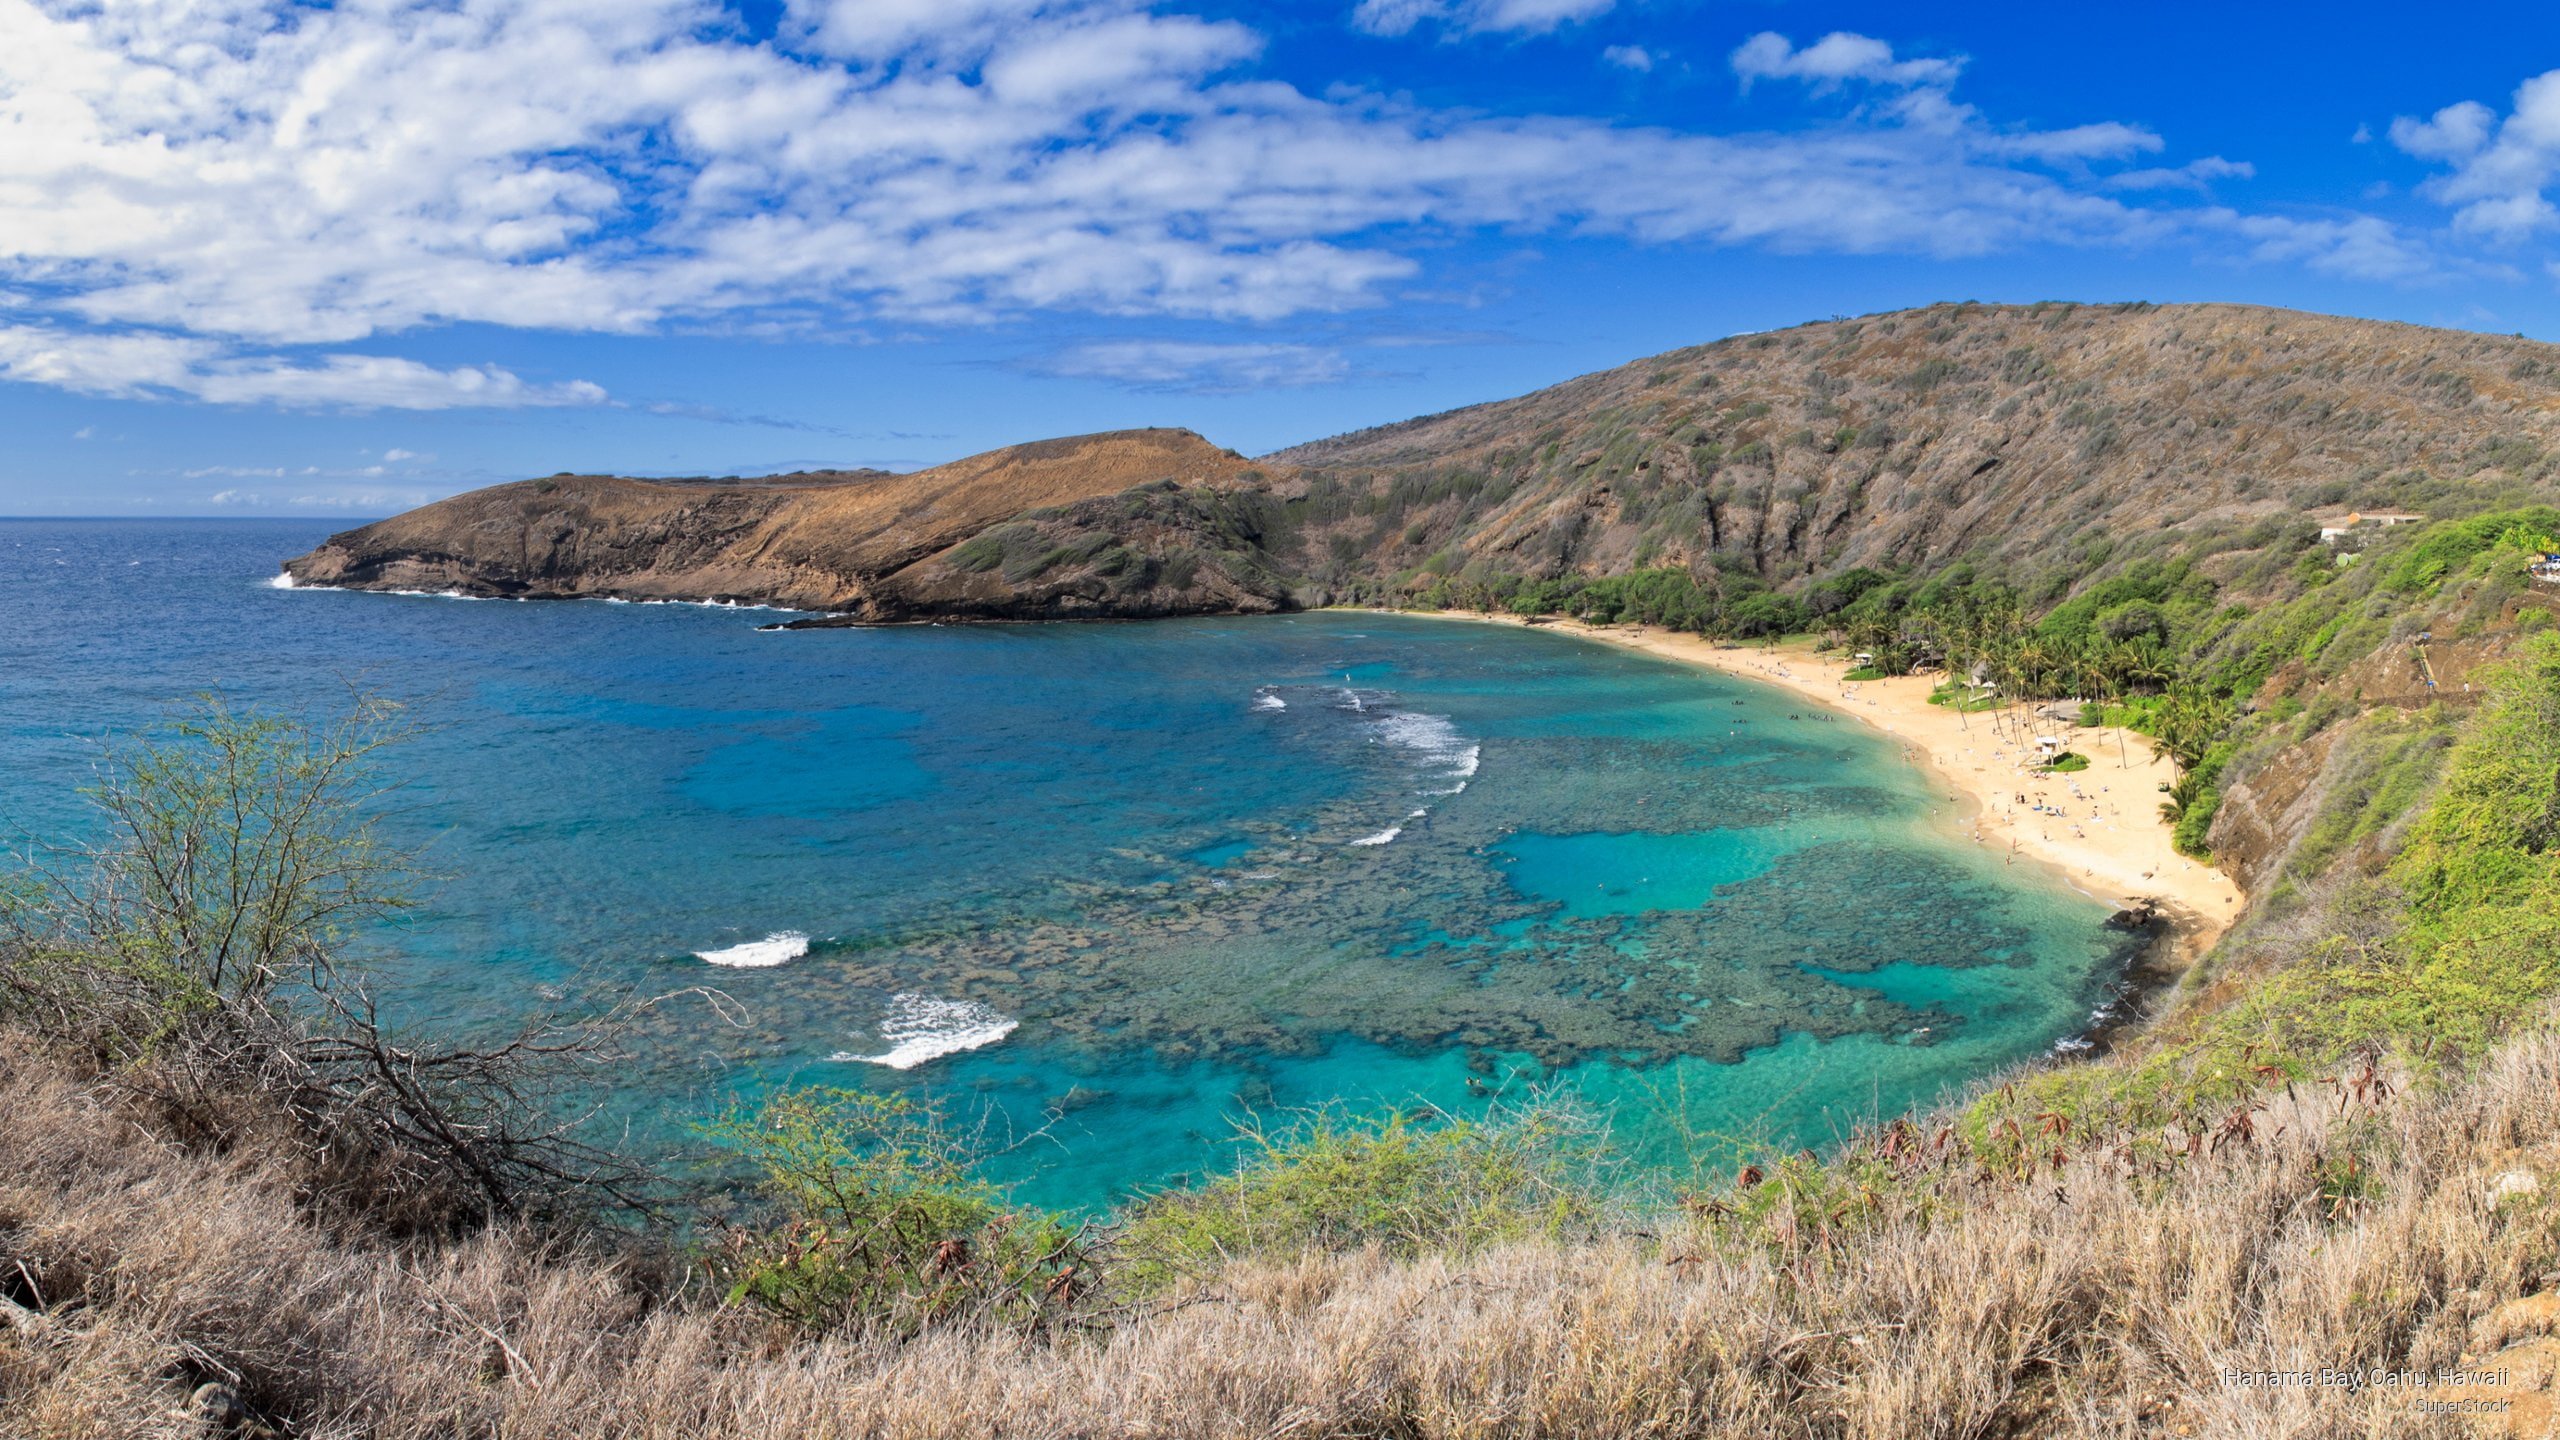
1836	58
2499	169
948	31
371	499
136	365
1628	57
84	432
2106	140
254	176
2195	175
212	200
2455	133
373	381
1197	367
395	455
1475	17
2362	247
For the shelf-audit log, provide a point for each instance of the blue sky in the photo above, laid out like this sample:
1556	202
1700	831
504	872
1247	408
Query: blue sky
262	258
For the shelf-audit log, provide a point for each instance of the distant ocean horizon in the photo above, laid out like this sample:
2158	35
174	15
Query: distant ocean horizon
1103	888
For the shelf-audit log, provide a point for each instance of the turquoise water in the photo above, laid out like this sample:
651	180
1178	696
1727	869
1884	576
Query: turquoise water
1107	886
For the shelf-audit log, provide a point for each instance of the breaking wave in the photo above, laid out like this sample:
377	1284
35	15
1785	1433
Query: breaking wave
1436	744
775	949
918	1028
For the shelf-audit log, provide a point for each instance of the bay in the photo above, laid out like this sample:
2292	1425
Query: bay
1102	889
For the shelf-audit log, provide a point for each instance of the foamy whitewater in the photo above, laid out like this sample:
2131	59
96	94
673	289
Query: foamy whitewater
1382	837
1437	744
919	1028
772	950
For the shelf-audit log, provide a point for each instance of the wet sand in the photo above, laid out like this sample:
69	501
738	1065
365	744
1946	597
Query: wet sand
2107	838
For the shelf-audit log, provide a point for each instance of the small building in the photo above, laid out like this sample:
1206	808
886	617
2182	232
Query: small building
2335	530
2544	568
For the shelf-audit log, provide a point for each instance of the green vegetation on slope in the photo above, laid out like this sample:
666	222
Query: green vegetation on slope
879	1219
2428	964
2156	644
1405	1185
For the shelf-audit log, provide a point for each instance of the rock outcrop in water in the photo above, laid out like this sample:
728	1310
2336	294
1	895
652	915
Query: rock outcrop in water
2054	440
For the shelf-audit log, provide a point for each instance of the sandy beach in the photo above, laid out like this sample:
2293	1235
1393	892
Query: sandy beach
2100	828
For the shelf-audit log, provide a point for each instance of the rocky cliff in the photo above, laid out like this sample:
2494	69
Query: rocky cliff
2054	440
864	543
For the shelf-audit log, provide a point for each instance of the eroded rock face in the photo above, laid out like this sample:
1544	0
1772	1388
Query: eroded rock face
831	541
2264	816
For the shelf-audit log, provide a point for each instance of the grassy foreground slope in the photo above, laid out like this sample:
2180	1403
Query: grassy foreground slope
2093	1300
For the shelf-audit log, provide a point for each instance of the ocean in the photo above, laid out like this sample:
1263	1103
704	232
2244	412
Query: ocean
1101	890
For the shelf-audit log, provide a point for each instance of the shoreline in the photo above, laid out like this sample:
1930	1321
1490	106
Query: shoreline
2110	845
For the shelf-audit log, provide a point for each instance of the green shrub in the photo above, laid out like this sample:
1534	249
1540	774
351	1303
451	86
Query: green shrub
2387	763
881	1222
2490	837
979	553
1334	1181
2195	823
2068	762
238	856
2445	549
2196	798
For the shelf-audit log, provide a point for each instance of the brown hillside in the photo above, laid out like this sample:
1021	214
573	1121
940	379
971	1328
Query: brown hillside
2056	441
821	541
2012	433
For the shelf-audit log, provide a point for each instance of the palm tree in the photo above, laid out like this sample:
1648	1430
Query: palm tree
1874	635
2190	717
2149	660
2099	663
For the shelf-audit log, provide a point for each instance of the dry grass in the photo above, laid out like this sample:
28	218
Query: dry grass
2087	1302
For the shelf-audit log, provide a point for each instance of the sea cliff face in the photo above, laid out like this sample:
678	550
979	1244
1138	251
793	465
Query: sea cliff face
865	544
